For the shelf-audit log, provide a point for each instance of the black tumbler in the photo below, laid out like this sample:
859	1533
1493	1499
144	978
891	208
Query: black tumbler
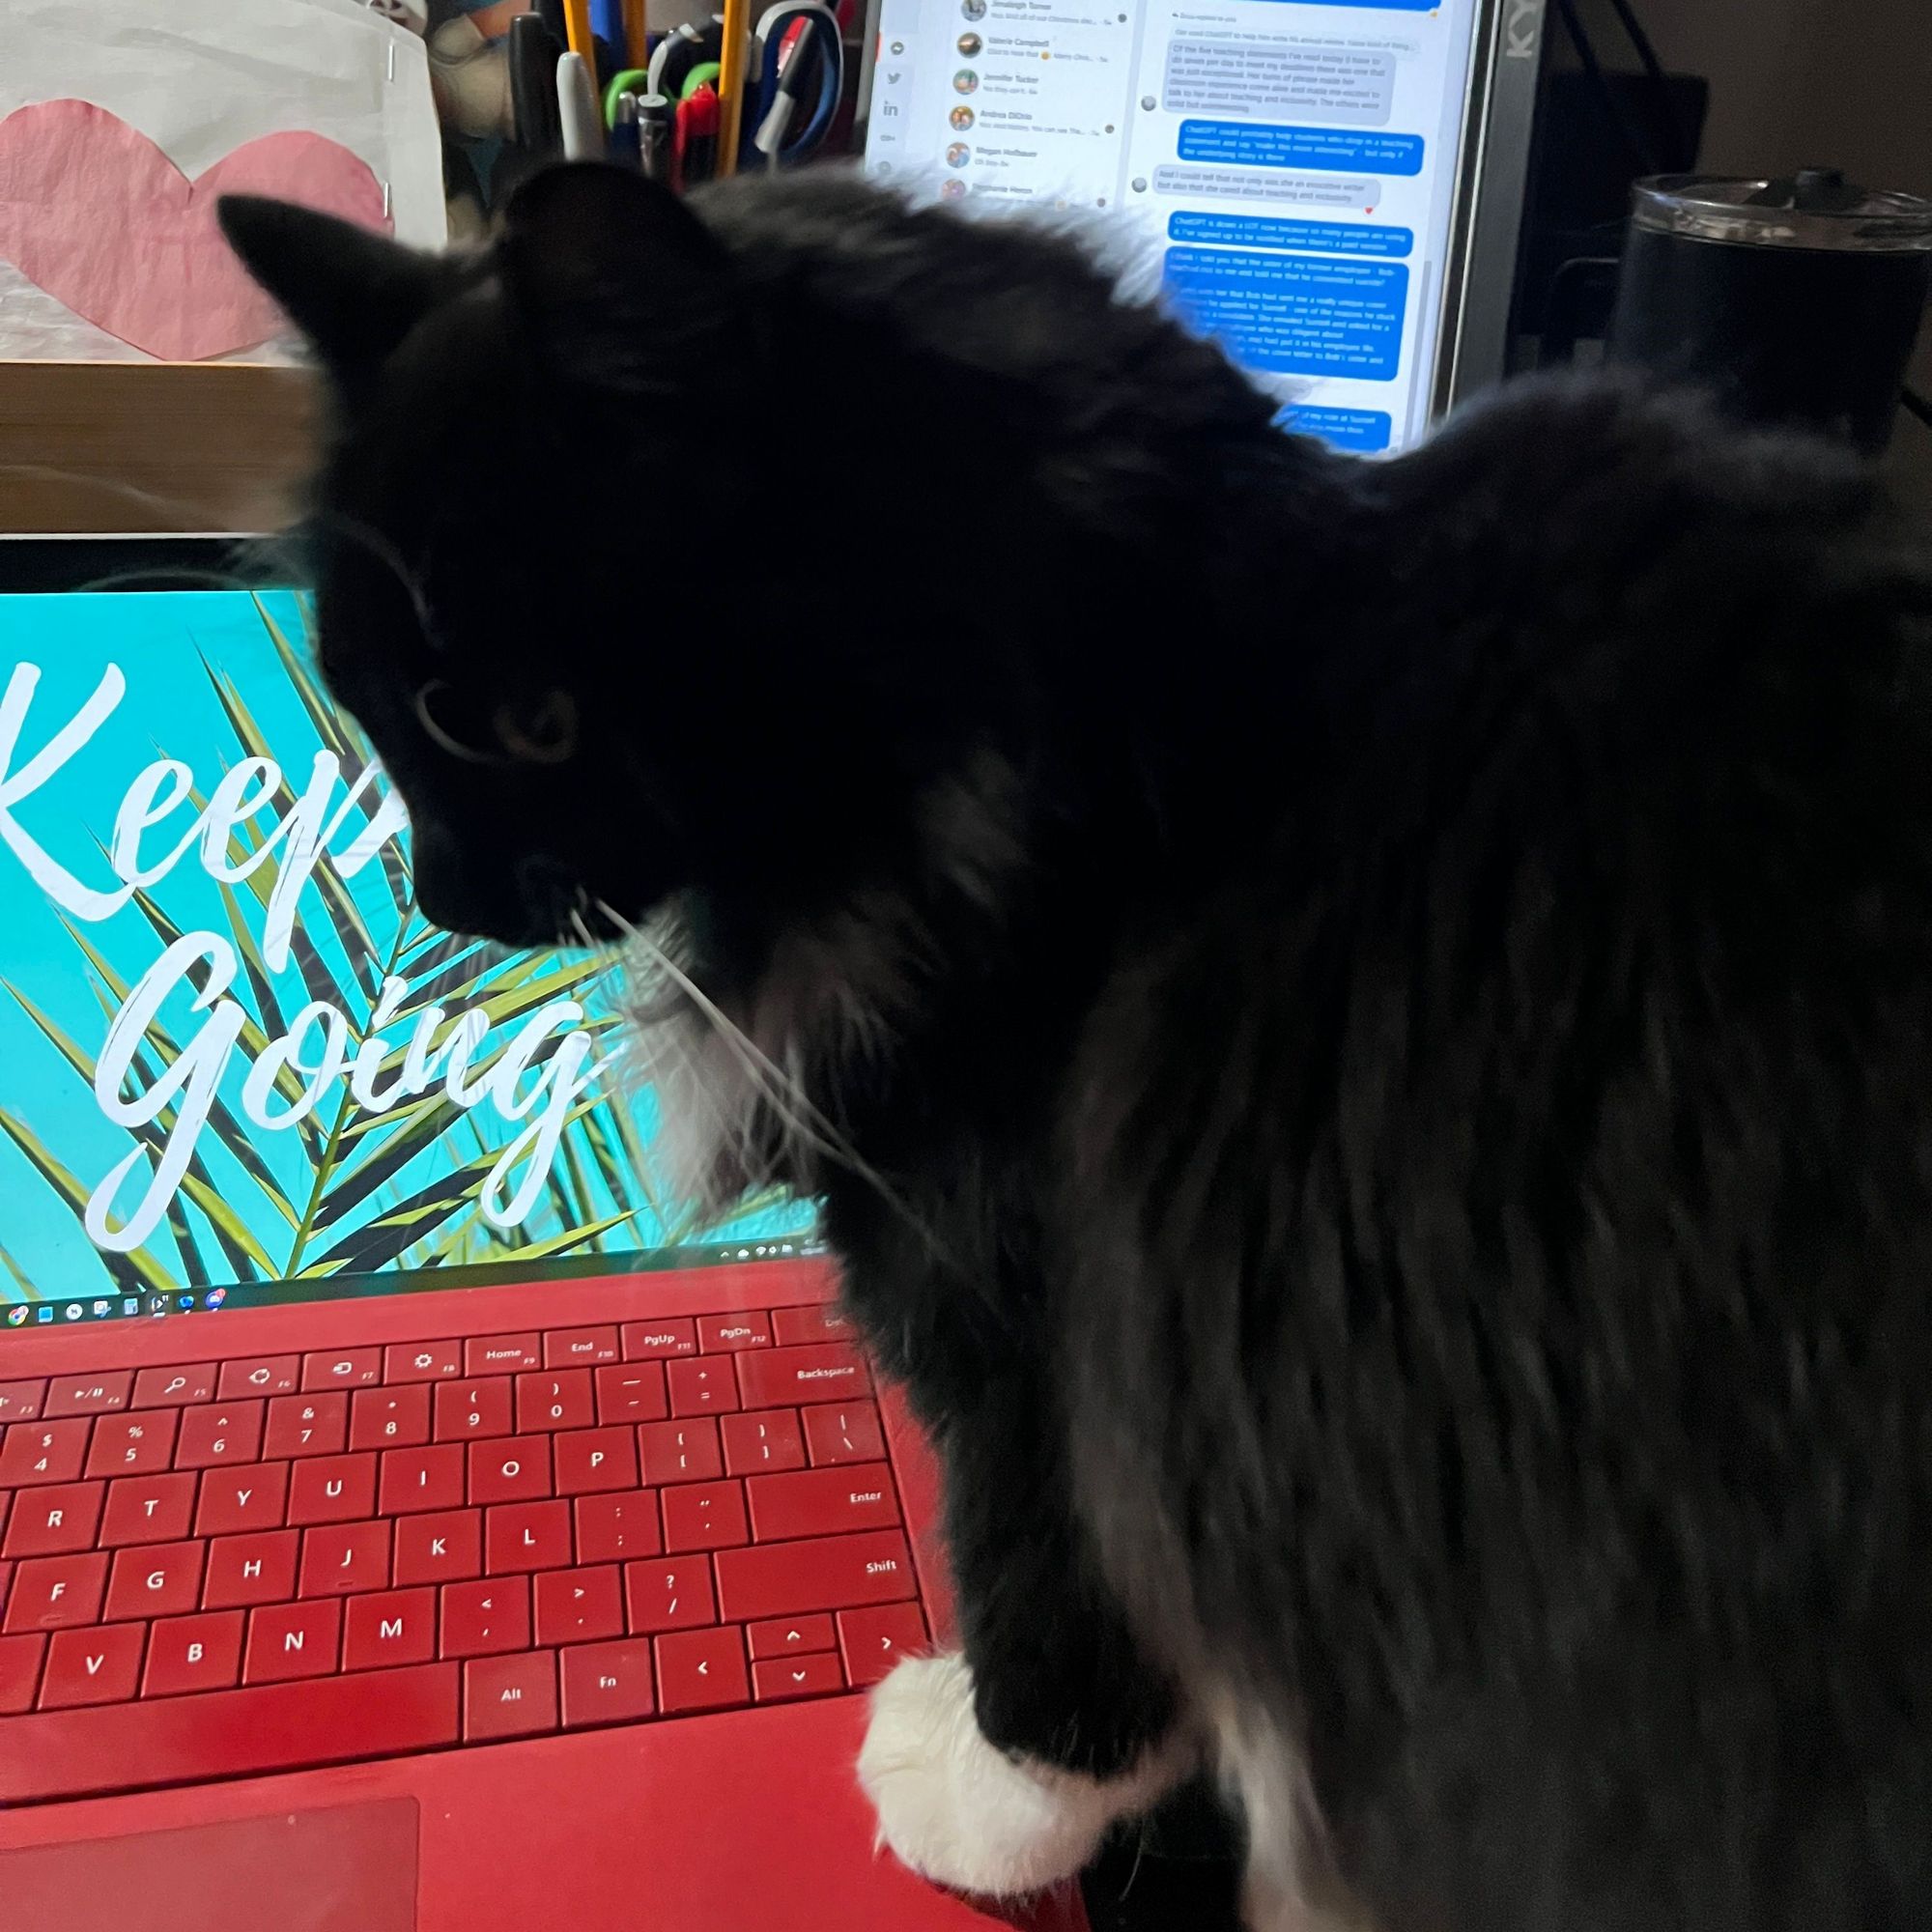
1795	302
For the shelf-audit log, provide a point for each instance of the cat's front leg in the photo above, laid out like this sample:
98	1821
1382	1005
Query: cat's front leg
999	1768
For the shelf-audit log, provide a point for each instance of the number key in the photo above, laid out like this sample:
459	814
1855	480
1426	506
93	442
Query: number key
389	1418
223	1432
471	1410
554	1401
131	1445
41	1452
306	1425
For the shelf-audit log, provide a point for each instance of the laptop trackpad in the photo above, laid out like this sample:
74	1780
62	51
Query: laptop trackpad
348	1868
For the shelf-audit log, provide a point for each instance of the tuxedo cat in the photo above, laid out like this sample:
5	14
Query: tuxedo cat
1364	1030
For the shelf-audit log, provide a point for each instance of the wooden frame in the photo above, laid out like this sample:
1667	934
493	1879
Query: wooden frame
114	448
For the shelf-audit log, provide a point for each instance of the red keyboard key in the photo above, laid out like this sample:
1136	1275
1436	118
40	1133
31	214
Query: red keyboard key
54	1592
259	1375
611	1529
774	1378
41	1452
19	1672
467	1412
223	1432
481	1619
702	1386
443	1549
554	1401
131	1445
163	1579
343	1559
873	1641
668	1595
525	1536
817	1321
389	1418
50	1522
248	1570
148	1509
292	1641
724	1333
236	1501
579	1606
394	1627
680	1452
88	1395
92	1666
762	1441
175	1387
632	1392
704	1515
423	1362
822	1502
190	1654
657	1341
605	1683
421	1479
230	1734
311	1425
701	1670
589	1459
510	1470
509	1696
336	1489
843	1431
502	1354
22	1402
788	1636
780	1678
829	1573
343	1369
581	1347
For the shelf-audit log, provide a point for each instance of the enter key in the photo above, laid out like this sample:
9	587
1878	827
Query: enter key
822	1502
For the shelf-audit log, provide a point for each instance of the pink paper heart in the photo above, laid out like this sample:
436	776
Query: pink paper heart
95	214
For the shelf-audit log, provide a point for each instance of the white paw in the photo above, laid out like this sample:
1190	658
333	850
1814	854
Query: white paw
964	1814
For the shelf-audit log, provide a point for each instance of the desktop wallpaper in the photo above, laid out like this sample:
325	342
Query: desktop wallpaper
231	1050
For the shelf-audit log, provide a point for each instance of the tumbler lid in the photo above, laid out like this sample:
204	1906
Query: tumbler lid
1817	207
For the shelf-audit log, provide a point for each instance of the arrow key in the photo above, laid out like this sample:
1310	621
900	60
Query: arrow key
790	1636
780	1678
873	1641
701	1670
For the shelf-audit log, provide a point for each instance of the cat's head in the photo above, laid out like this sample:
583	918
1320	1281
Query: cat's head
577	567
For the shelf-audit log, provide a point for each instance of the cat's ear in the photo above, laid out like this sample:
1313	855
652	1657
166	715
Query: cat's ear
353	293
613	274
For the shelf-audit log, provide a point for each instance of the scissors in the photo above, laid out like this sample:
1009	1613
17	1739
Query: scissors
798	60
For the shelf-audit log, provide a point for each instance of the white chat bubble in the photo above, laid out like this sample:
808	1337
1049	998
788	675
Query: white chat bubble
1268	185
1342	86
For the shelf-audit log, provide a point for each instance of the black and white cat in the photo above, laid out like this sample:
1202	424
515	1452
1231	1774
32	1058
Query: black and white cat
1365	1031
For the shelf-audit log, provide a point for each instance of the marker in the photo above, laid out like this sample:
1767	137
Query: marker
624	138
577	110
656	121
697	120
532	60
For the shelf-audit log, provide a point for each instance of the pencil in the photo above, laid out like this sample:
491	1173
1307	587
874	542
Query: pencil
731	83
577	17
637	37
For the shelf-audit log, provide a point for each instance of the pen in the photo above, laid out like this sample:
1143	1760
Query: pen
578	114
656	118
624	134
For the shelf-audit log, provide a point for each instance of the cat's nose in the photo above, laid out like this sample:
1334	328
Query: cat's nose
550	894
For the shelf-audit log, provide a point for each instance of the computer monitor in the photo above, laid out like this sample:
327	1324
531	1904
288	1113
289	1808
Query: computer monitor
237	1065
1333	188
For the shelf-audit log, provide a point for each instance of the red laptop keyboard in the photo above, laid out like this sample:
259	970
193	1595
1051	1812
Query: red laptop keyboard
230	1567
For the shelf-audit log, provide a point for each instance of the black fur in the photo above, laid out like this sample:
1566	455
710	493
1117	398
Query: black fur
1384	1009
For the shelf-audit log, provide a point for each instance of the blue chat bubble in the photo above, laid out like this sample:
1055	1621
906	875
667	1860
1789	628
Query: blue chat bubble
1364	431
1271	146
1292	317
1266	231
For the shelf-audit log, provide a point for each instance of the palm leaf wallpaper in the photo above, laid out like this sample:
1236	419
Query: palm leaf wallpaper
231	1048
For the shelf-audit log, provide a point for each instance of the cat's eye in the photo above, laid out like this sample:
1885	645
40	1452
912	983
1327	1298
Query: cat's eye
541	733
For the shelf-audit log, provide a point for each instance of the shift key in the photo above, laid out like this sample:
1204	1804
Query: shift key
826	1572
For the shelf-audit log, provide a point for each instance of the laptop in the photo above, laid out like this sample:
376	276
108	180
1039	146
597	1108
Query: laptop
410	1517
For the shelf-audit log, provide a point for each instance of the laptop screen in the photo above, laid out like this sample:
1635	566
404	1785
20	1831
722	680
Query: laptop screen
237	1065
1295	169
